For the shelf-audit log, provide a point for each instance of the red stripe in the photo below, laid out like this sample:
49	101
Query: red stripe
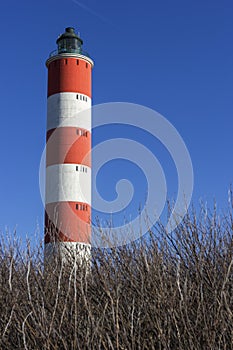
65	75
66	145
73	224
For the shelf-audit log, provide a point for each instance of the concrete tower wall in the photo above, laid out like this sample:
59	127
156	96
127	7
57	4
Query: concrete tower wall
68	155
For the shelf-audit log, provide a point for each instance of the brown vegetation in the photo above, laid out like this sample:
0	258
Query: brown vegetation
168	291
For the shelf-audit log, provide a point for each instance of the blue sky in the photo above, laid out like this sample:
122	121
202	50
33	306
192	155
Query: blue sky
175	57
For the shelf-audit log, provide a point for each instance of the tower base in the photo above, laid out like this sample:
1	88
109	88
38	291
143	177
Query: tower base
68	253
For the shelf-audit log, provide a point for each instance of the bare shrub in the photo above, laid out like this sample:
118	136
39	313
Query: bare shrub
166	291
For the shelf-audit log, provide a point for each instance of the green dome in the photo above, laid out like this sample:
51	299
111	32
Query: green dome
69	33
69	42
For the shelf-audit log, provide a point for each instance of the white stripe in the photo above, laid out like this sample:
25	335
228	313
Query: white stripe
80	252
65	184
65	109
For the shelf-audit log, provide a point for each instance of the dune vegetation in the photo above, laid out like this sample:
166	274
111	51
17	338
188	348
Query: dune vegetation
165	291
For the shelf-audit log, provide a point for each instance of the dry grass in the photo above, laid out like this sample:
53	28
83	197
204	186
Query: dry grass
165	292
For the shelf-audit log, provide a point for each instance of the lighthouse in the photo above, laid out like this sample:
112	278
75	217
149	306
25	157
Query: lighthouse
68	149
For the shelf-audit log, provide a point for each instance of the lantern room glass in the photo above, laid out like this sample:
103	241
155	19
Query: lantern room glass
72	45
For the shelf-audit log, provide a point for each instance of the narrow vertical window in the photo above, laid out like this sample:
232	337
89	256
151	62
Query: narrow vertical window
76	206
77	62
77	96
86	65
76	167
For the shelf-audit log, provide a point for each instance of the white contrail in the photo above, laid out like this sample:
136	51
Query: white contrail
92	12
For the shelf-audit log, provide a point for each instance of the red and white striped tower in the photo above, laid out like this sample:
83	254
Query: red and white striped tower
68	160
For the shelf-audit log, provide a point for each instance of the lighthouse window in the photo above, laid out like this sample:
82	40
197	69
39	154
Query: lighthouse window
81	132
77	62
81	97
86	65
81	207
82	169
